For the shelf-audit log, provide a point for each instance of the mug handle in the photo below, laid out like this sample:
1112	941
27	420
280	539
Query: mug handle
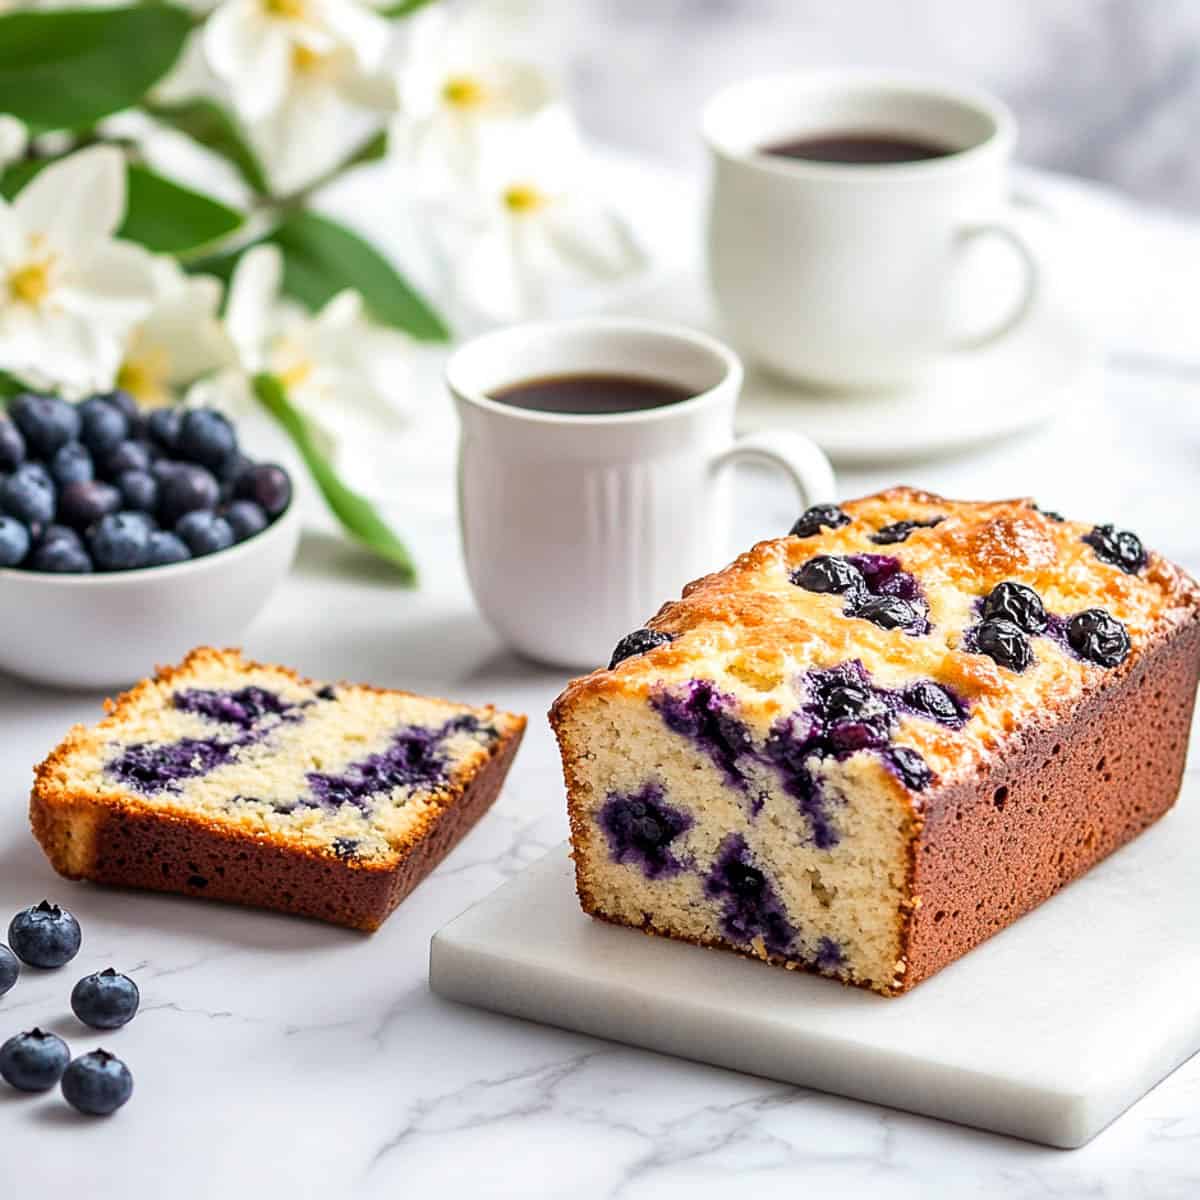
800	459
1030	287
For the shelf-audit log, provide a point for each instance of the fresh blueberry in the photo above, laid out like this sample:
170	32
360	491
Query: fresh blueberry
184	489
139	490
1018	603
28	495
14	542
889	612
828	573
83	504
119	542
1004	643
204	532
1099	637
638	642
206	437
61	557
811	522
44	935
124	401
33	1061
129	455
245	519
12	445
72	464
105	1000
931	700
165	548
268	486
162	424
1118	547
10	969
97	1084
912	769
46	422
105	426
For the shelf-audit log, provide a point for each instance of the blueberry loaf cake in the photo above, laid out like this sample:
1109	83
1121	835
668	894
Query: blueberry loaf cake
242	782
862	749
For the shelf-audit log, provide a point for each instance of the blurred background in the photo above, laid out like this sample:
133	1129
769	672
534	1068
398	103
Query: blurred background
1106	89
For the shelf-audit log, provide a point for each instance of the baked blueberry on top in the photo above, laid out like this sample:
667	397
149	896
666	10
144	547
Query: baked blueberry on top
860	762
237	781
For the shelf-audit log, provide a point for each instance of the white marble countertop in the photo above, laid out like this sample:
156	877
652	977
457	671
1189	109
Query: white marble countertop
279	1057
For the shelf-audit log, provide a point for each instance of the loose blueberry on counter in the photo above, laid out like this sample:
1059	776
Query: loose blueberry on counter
163	425
139	490
10	969
889	535
119	542
912	770
186	488
71	464
206	437
61	557
1004	643
1018	603
820	516
14	542
97	1084
46	422
638	642
105	1000
104	425
45	936
12	445
129	455
245	519
1117	546
203	532
1099	637
828	573
267	485
889	612
33	1061
28	495
83	504
164	548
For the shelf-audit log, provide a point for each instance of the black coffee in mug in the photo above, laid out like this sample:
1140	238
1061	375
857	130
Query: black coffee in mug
862	147
591	394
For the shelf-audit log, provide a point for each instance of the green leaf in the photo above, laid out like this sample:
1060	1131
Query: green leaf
402	8
355	512
322	258
18	175
168	218
209	124
68	68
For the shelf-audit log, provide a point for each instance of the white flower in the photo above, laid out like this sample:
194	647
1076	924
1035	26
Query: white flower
340	371
457	80
180	340
540	227
68	290
14	139
260	47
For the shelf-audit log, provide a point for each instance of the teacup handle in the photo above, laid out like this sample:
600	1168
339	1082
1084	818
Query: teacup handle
1030	286
800	459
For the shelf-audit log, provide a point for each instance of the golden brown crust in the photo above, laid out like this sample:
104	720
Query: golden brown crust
127	841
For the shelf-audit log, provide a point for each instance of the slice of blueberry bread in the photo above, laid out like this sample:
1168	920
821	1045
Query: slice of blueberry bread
237	781
862	749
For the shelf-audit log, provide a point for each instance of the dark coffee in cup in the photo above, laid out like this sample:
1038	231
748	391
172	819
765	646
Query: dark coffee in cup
591	394
858	147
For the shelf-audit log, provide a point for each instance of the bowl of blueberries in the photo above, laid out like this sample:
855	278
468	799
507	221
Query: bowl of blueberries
128	537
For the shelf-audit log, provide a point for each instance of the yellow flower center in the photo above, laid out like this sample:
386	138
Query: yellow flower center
523	198
308	61
146	375
30	284
463	92
287	10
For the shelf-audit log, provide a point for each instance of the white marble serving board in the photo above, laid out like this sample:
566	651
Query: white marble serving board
1047	1032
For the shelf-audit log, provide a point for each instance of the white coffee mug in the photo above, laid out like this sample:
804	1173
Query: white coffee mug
847	274
576	528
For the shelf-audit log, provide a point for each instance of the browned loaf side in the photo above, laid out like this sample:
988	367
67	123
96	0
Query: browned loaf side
327	801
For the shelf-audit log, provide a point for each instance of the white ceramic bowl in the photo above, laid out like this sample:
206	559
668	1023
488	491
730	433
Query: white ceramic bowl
107	630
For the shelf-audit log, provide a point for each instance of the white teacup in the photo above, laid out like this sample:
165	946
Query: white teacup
577	527
852	275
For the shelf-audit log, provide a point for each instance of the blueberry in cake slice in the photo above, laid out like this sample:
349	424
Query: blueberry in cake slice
237	781
863	748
